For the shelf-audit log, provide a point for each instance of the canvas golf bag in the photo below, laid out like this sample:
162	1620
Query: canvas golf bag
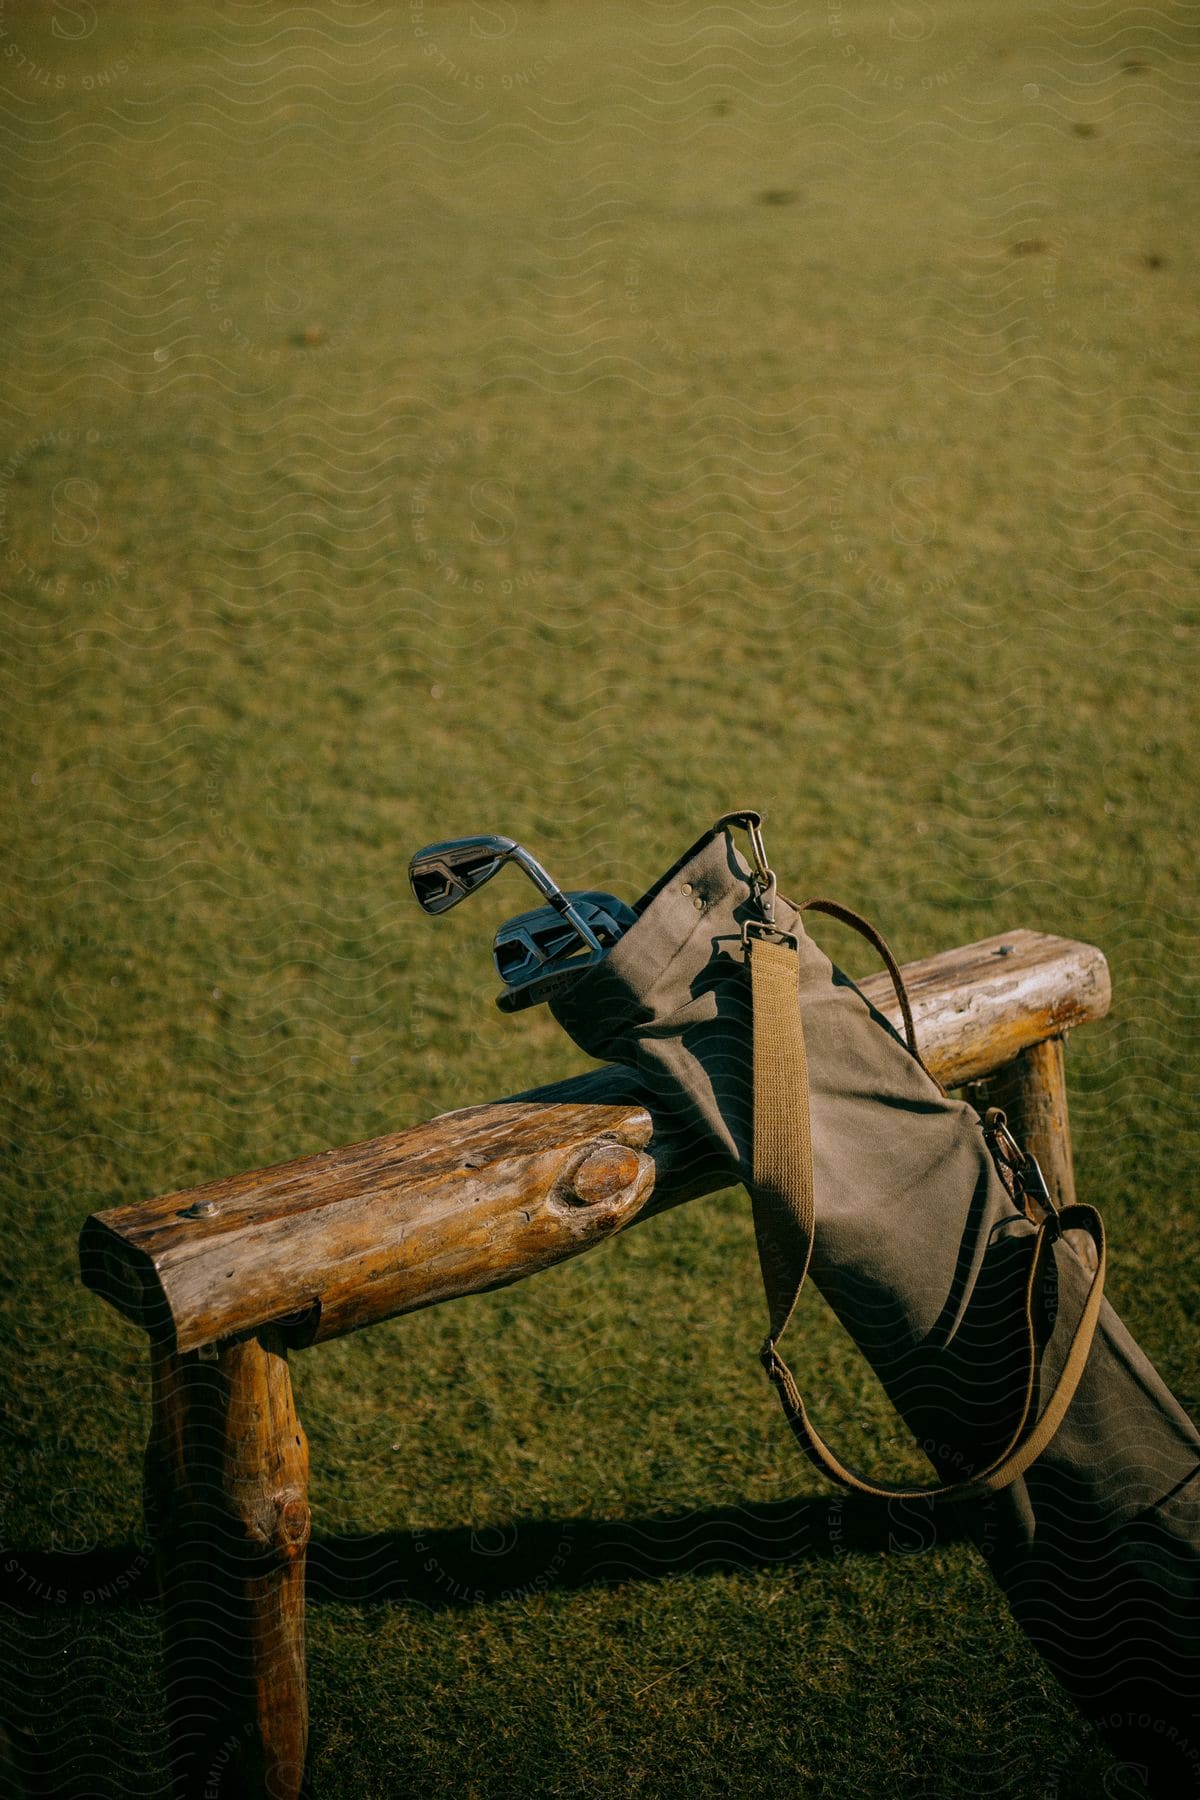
1077	1471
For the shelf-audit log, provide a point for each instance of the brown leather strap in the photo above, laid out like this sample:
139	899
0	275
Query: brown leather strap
865	929
785	1218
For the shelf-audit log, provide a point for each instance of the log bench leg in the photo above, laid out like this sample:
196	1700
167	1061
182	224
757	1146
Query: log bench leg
1032	1089
227	1504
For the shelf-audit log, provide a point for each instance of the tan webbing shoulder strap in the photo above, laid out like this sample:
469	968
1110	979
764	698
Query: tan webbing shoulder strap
785	1218
783	1200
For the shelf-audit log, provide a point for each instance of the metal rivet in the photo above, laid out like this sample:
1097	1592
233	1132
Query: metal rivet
699	905
687	887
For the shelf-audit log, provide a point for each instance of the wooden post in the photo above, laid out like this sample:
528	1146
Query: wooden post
226	1497
1032	1089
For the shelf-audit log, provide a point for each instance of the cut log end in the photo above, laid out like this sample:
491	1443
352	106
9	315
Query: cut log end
607	1173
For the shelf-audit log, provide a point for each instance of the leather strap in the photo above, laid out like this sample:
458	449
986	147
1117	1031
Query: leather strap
785	1218
856	922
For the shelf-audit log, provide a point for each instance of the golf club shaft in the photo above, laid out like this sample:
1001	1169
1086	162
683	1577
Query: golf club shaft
555	895
560	903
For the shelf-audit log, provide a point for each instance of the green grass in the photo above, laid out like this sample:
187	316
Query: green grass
573	421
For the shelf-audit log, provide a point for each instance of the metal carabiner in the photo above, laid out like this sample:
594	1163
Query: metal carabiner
995	1125
762	878
1026	1170
765	885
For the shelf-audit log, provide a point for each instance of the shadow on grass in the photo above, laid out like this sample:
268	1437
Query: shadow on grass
482	1565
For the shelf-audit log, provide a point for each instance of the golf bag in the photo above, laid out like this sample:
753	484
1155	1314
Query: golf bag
1078	1472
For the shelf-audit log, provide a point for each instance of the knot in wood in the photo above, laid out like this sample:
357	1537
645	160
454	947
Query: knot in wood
604	1173
293	1523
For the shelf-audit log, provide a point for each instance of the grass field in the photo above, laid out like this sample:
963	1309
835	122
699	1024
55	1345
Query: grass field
570	420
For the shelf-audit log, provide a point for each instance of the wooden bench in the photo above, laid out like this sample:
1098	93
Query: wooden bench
227	1278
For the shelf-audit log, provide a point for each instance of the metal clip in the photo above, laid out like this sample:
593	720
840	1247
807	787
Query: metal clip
762	877
995	1124
1028	1179
766	931
765	895
1033	1182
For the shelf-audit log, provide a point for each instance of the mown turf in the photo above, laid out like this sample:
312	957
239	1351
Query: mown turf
572	421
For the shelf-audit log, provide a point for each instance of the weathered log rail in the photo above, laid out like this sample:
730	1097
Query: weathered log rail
226	1278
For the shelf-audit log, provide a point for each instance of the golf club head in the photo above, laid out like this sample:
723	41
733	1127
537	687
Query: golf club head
441	875
536	950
